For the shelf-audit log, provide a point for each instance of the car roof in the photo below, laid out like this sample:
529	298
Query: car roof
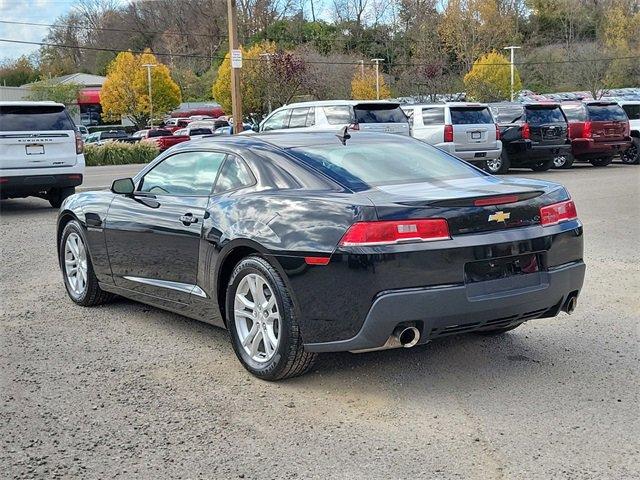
447	104
629	102
21	103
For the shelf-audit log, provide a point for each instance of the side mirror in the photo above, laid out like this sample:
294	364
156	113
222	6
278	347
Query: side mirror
123	186
255	127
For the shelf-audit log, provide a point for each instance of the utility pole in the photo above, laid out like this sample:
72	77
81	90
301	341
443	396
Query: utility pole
512	48
362	68
267	56
149	67
377	60
236	65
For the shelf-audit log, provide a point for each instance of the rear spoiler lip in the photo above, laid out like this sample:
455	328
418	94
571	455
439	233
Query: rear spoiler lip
469	201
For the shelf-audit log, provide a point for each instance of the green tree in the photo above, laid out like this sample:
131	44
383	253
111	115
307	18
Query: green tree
490	78
126	91
14	73
65	93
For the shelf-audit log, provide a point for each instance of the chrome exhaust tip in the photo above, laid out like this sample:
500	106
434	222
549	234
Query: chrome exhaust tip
407	337
571	304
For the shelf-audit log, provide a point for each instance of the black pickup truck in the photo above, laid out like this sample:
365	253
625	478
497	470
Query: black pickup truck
532	134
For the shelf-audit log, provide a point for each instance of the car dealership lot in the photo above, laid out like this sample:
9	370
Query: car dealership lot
128	390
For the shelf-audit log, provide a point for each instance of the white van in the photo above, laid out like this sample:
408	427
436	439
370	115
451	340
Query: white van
466	130
40	151
365	115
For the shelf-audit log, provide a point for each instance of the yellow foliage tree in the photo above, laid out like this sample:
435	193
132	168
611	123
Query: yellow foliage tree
126	90
363	85
254	80
490	79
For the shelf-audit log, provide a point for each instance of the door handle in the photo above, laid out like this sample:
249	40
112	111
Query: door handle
188	219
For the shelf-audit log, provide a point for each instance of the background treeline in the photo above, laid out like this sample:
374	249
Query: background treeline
428	45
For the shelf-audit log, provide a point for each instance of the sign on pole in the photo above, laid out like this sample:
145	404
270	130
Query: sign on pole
236	58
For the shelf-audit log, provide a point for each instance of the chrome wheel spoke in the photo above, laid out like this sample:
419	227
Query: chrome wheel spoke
245	301
251	335
255	344
75	264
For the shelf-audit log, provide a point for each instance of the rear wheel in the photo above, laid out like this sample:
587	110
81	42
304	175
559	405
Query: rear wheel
632	155
563	161
260	316
544	166
79	278
601	162
497	331
499	165
58	195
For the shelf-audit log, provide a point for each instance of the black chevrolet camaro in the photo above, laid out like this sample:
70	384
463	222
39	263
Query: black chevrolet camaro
301	243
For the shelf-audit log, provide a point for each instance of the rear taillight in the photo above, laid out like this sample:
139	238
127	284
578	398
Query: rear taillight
587	131
4	180
526	131
394	231
354	126
79	144
497	132
558	212
448	133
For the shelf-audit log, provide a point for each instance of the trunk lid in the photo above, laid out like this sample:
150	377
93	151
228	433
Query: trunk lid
469	205
36	136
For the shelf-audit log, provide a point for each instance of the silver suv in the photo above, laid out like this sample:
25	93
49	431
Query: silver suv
466	130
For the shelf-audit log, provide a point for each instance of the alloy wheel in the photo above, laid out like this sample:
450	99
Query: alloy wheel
75	264
494	164
257	318
559	161
629	156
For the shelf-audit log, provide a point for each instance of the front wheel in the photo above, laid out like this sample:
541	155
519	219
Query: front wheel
260	316
601	162
631	156
499	165
544	166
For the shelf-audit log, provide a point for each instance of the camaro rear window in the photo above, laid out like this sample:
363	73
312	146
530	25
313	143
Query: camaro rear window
359	165
600	113
16	118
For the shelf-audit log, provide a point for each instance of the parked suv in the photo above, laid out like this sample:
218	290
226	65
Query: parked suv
100	138
599	130
632	109
466	130
532	134
370	116
40	151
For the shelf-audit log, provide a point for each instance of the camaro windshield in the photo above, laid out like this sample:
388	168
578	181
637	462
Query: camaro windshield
359	165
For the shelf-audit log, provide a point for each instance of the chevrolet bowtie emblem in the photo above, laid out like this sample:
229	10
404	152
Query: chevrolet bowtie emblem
499	216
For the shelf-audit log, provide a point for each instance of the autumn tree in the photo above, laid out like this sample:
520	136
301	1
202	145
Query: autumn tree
363	85
14	73
490	78
126	90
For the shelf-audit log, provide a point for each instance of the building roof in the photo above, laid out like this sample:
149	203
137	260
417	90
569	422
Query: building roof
83	79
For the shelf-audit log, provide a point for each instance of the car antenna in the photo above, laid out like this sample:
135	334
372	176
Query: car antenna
343	135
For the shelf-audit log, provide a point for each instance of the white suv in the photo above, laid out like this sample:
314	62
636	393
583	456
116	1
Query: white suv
632	109
40	151
466	130
368	116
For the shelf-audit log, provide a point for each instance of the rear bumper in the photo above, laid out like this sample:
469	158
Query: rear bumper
472	156
526	152
440	311
587	148
25	185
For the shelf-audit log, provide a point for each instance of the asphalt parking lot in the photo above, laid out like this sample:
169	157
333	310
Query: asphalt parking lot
129	391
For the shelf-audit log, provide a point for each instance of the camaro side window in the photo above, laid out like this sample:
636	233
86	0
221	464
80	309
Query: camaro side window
188	173
234	174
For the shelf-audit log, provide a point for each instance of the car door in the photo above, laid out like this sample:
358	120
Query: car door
153	235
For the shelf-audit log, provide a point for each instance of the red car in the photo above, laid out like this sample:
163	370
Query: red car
162	137
599	130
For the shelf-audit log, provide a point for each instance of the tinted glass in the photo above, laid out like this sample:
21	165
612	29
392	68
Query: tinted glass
508	114
361	164
16	118
574	113
608	113
200	131
470	115
539	116
633	111
298	117
159	132
379	114
338	115
188	173
117	134
433	116
277	121
234	174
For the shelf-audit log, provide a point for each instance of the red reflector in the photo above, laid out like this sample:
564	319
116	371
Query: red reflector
386	232
558	212
483	202
448	133
526	131
74	177
316	260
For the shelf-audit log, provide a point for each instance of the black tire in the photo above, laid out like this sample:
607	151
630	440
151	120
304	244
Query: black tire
544	166
499	166
632	155
58	195
601	162
93	295
290	359
497	331
564	161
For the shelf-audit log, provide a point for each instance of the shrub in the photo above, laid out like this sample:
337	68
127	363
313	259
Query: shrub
118	153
